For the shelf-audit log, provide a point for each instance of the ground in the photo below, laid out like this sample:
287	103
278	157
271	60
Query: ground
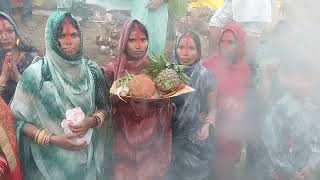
90	31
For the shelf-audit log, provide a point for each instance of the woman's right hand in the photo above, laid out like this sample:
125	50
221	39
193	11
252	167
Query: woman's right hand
67	141
5	74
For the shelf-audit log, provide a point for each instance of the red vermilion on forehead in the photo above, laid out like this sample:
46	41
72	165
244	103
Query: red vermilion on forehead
67	24
4	27
187	44
138	31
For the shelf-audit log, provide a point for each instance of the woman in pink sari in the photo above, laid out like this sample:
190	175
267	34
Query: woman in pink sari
142	130
233	76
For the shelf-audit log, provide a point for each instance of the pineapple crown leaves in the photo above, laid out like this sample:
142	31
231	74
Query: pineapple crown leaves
159	63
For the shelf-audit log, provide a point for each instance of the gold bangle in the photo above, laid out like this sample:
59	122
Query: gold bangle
36	136
41	136
44	138
100	118
48	138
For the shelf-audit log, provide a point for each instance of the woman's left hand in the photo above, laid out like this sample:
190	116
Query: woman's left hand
204	132
303	173
155	4
83	127
15	74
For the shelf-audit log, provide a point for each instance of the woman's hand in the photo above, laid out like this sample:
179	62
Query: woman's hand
155	4
5	74
67	141
15	74
302	174
84	126
204	132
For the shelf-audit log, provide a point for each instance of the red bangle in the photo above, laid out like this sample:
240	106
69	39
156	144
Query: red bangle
3	165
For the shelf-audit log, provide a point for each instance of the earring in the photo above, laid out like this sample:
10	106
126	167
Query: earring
18	42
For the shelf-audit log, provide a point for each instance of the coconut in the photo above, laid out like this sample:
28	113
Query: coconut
142	86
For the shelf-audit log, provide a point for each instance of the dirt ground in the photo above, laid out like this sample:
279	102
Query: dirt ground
90	31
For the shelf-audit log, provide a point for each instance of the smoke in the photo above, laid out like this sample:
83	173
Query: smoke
286	99
289	65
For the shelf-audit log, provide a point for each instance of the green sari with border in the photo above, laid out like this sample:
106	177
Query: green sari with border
46	90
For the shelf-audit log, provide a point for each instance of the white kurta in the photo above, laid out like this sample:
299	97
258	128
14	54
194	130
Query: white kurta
251	10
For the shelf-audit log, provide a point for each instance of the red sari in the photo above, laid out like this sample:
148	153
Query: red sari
8	141
142	145
233	83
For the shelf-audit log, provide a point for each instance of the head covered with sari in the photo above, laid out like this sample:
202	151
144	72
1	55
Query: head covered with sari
139	126
17	45
234	78
22	43
122	64
48	88
197	41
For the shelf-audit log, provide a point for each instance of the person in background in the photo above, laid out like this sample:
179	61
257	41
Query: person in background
26	15
234	77
290	131
251	15
154	15
16	54
195	114
63	80
9	161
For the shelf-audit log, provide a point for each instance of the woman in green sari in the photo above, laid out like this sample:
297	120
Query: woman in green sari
63	80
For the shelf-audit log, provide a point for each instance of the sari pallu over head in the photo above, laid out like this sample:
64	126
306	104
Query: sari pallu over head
233	79
48	88
201	80
233	83
142	128
120	65
22	45
190	154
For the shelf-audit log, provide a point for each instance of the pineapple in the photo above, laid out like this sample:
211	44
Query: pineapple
167	76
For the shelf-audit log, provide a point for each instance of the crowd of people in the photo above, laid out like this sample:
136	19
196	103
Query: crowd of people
251	116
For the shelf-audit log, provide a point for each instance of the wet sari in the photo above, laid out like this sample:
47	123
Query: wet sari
142	129
233	85
190	154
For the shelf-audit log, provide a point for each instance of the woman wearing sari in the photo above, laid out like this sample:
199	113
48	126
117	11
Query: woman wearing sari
195	114
9	163
63	80
233	76
16	54
142	130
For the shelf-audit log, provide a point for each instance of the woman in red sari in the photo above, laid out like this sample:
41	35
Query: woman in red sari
9	163
233	76
142	130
